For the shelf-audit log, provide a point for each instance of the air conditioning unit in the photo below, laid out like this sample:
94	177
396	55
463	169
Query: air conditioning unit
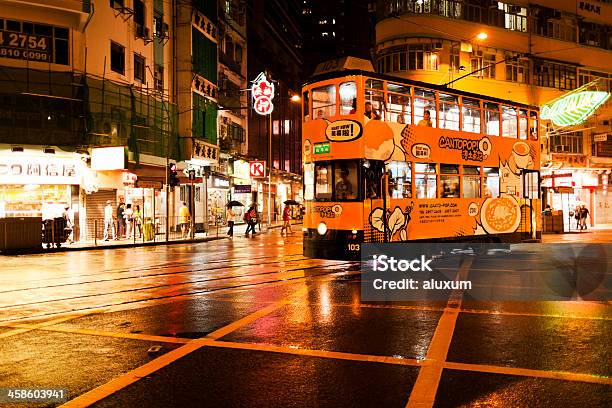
437	46
143	32
478	53
514	9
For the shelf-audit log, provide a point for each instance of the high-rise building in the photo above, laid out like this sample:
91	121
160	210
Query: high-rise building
334	29
275	48
528	52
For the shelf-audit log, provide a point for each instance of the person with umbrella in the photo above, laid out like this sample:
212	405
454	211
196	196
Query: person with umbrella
230	216
287	217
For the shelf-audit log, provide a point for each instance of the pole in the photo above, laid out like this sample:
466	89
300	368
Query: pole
192	207
269	169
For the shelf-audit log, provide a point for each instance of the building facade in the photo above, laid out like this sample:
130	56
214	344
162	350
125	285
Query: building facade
275	48
98	98
533	52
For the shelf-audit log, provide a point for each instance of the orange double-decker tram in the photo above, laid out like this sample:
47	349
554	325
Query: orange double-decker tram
392	160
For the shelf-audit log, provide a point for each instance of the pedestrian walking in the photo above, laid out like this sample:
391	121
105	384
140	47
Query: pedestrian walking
584	213
184	217
286	221
129	220
230	217
69	217
251	219
109	222
577	216
120	220
138	221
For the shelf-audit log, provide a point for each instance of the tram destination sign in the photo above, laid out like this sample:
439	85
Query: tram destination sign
25	46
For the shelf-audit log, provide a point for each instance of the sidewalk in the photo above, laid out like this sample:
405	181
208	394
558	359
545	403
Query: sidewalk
214	233
597	234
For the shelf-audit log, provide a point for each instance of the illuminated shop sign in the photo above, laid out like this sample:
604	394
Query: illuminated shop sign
573	108
40	170
262	92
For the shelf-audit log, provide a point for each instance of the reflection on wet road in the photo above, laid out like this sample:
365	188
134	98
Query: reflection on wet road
251	322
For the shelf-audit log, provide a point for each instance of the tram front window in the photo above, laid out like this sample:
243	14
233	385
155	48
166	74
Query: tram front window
346	180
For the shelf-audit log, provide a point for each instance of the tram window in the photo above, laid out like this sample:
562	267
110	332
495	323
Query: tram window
400	179
523	124
491	182
306	105
372	173
425	180
449	112
309	181
324	101
509	121
449	180
491	118
421	107
323	182
374	84
399	108
398	89
348	98
471	182
345	176
533	125
376	99
471	115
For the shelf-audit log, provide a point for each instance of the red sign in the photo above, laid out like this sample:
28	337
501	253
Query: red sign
262	92
257	168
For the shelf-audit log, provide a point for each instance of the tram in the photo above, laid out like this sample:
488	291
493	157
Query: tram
388	159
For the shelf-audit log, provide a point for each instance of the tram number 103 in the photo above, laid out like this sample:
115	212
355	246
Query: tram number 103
354	247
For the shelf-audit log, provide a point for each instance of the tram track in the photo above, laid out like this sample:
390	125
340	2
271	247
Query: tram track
141	276
329	270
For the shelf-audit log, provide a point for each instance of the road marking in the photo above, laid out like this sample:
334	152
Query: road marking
337	355
131	377
90	332
41	325
527	372
424	391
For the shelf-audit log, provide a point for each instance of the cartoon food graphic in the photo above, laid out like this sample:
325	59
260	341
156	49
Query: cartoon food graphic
378	140
499	215
407	138
520	157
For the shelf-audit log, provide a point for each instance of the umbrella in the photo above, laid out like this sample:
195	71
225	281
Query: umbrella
291	202
235	203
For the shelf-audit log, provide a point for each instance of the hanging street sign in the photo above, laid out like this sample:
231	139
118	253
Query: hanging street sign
573	108
262	92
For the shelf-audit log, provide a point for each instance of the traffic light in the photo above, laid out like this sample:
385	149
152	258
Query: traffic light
173	179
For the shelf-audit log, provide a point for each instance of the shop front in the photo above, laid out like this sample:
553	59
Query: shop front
566	189
218	196
38	184
241	188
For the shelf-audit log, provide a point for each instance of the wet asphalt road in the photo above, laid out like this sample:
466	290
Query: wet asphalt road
252	323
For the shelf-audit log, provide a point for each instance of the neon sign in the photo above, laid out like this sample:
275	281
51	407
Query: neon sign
262	92
573	108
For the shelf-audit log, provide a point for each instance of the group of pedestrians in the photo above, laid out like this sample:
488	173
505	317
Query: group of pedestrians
251	218
128	219
580	215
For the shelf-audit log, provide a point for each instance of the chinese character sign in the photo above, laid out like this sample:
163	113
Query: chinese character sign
262	92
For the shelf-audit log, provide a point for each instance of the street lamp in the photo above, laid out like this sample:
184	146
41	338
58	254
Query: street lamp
481	36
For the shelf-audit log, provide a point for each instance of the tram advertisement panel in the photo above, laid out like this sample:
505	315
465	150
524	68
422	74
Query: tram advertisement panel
499	163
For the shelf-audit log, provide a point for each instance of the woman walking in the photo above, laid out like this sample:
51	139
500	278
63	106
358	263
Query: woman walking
251	218
129	220
286	221
138	221
230	216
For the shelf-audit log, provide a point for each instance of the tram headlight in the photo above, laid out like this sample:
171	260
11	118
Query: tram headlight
354	232
322	228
